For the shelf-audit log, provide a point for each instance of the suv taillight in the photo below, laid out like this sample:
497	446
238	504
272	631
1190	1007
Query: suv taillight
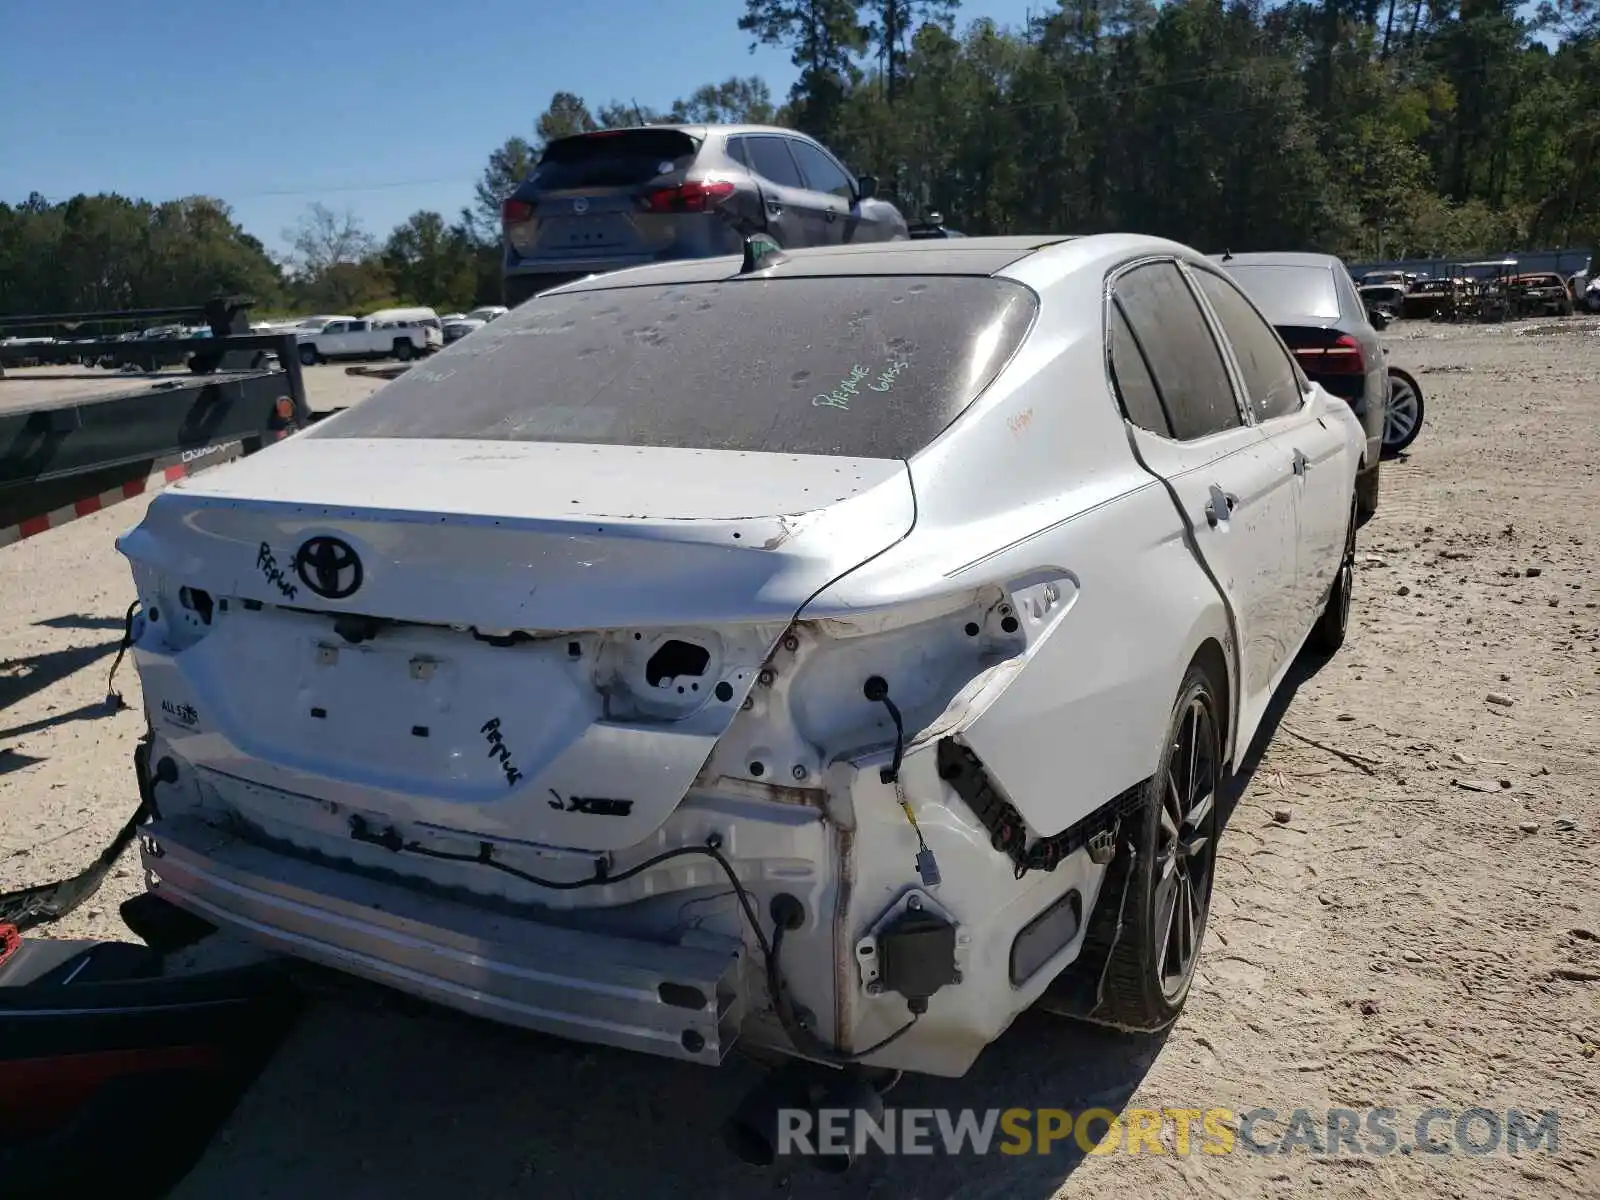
1340	356
514	212
690	197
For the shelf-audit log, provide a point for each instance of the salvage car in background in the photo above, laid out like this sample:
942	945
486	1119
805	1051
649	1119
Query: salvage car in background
1385	292
600	681
1539	294
621	197
1311	301
455	330
932	226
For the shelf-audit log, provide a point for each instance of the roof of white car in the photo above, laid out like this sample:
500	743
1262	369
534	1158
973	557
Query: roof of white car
1276	258
963	256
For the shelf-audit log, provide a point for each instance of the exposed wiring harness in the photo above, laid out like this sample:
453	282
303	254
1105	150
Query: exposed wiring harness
787	914
114	700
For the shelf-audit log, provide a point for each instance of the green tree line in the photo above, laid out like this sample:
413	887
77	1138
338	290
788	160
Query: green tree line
1366	128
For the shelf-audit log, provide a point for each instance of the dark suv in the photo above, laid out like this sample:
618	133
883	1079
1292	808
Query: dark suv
621	197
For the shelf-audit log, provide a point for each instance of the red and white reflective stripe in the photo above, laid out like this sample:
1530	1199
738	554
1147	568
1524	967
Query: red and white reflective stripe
93	504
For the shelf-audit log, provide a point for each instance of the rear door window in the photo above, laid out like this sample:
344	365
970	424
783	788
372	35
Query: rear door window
1136	389
615	158
867	366
1269	376
821	172
1181	352
770	159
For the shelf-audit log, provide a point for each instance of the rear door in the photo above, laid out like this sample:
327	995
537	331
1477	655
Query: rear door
1306	448
795	216
1190	429
831	191
362	337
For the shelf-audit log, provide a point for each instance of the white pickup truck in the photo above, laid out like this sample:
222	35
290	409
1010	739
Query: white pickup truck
402	334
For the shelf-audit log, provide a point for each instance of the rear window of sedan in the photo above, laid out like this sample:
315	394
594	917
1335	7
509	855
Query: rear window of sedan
1289	291
862	366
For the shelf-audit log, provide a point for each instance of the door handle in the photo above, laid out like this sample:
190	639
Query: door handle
1300	462
774	207
829	216
1220	507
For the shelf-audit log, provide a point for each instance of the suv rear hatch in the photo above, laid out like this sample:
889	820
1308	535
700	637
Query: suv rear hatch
617	193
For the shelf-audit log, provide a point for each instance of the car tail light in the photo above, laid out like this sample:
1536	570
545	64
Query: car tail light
1341	356
514	212
282	422
690	197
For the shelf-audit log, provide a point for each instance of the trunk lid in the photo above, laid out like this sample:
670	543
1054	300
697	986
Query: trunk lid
529	641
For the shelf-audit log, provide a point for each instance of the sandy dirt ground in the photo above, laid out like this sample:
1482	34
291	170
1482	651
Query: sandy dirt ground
1411	927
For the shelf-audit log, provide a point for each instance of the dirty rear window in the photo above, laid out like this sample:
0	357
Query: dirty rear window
1287	291
871	367
613	159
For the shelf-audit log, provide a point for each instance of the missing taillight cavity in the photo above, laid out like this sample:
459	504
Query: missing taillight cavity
197	602
677	660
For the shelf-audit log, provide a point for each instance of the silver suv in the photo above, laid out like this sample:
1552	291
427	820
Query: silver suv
621	197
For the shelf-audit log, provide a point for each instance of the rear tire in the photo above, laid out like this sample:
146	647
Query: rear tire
1403	417
1162	887
308	356
403	350
1327	635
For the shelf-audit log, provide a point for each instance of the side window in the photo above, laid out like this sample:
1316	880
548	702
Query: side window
335	327
821	172
1348	295
737	152
770	159
1269	376
1141	403
1181	353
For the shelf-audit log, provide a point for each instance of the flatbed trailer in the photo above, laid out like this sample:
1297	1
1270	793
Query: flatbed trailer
75	439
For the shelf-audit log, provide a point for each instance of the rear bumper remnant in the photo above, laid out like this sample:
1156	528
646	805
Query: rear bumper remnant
682	1002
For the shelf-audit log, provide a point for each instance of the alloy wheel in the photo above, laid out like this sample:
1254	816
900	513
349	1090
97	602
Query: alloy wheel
1401	416
1185	844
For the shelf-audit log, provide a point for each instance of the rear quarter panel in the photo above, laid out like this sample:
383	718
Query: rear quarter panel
1037	481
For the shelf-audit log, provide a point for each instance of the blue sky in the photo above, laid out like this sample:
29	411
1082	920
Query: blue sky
383	108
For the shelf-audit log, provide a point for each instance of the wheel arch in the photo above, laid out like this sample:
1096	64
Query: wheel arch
1211	658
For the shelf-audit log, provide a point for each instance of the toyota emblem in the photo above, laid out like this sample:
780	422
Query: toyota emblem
329	567
580	205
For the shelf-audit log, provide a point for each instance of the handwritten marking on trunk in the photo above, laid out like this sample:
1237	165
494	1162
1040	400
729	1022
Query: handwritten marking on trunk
267	563
498	750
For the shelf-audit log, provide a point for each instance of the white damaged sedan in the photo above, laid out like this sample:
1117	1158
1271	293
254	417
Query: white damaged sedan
838	652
